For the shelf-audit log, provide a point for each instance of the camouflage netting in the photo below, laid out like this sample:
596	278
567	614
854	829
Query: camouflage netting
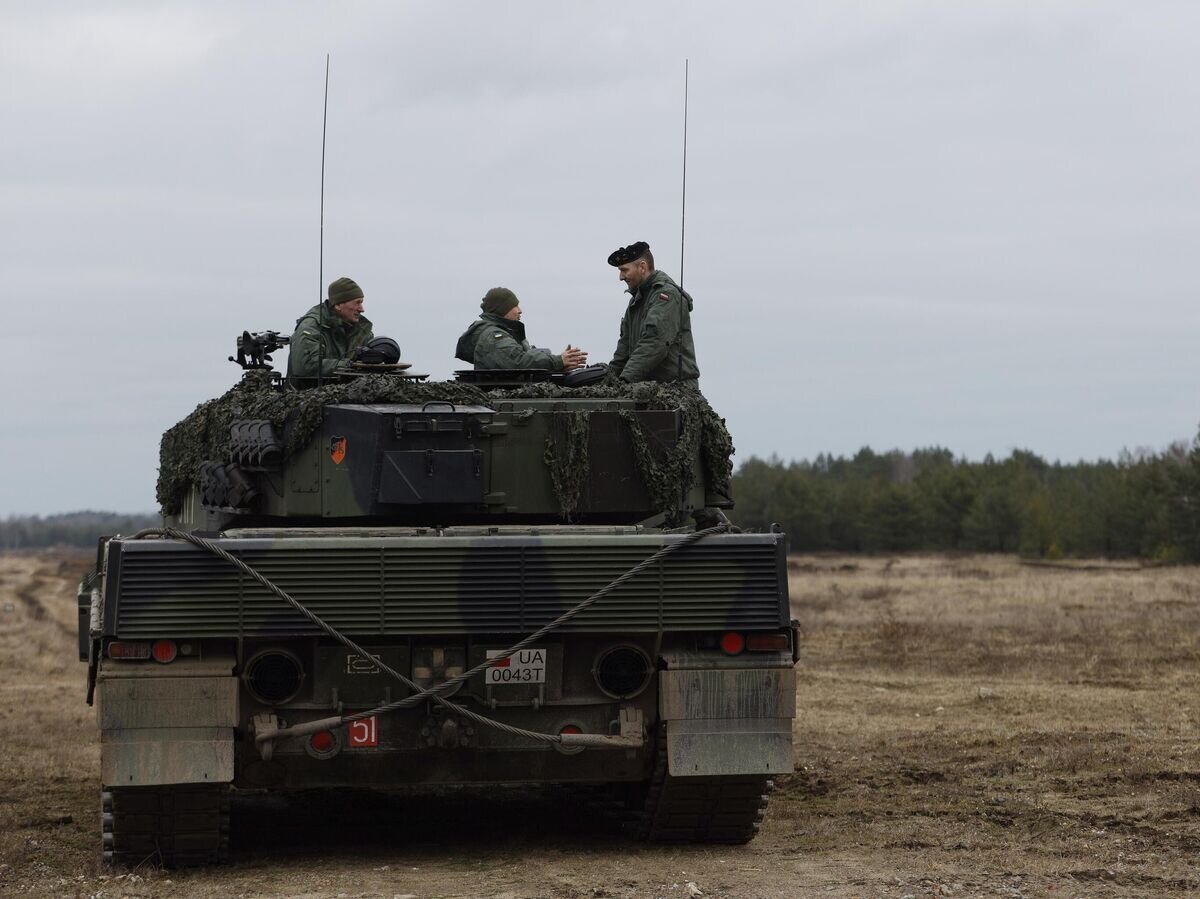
666	478
204	435
567	457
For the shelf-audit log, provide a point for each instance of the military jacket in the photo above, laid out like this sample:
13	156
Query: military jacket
322	342
656	334
496	342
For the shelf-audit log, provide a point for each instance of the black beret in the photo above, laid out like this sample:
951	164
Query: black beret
628	254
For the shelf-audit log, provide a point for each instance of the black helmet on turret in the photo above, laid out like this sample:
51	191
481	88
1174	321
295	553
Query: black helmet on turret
379	351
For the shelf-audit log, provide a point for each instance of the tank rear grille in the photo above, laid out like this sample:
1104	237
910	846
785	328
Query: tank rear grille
445	585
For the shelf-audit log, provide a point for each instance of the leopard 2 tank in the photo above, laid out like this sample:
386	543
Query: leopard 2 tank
382	582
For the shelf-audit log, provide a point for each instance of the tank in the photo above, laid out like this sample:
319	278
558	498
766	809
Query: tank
380	582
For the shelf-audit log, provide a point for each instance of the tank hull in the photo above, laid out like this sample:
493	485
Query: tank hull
649	658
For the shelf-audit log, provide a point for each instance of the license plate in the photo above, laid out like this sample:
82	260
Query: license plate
364	733
527	666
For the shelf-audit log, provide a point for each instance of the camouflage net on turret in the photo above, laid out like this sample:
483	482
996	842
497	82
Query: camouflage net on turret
567	457
667	478
297	415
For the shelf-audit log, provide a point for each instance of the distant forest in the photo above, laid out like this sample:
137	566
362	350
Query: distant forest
70	529
1143	505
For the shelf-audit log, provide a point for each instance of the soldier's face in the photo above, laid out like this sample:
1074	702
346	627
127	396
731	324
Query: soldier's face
514	314
633	273
350	311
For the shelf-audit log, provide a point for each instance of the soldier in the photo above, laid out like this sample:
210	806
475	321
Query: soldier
497	339
328	334
656	330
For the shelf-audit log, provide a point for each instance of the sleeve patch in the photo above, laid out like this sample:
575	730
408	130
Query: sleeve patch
663	297
497	335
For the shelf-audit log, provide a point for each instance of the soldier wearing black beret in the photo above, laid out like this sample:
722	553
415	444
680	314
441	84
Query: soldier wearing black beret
656	330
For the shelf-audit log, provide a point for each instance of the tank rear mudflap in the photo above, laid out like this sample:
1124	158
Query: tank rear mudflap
166	761
156	731
723	722
723	731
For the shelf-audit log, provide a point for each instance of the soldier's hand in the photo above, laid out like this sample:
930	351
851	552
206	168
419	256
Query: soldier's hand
573	357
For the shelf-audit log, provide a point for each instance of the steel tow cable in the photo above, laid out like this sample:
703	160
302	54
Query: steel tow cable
421	694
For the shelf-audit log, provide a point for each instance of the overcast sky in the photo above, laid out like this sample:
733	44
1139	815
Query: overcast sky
967	224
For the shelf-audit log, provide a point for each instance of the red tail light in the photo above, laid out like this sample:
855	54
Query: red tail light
322	741
732	643
570	729
164	651
767	642
126	650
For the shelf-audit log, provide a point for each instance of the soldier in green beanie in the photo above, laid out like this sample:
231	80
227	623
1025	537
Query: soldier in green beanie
497	339
327	335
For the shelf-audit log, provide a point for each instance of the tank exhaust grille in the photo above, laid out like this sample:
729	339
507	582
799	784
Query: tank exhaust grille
445	586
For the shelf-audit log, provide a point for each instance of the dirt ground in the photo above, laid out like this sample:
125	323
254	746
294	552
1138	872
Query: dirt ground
965	727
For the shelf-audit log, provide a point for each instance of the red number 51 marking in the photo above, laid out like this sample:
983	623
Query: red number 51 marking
364	732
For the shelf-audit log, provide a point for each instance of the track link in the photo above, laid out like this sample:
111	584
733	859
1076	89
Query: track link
175	826
724	809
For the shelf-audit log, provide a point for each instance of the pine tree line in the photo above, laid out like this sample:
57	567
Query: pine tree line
1143	505
69	529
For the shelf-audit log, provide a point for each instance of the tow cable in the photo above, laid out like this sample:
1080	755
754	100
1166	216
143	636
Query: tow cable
267	730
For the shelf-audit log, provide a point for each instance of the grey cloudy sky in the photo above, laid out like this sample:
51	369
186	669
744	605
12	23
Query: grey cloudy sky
970	224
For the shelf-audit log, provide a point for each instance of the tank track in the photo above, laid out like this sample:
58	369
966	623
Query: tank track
722	809
175	826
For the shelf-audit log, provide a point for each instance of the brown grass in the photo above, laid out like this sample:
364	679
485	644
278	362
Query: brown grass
965	727
974	714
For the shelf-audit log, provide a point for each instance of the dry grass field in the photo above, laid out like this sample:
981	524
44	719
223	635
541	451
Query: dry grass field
966	727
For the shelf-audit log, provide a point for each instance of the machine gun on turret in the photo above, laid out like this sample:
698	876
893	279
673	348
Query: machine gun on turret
253	350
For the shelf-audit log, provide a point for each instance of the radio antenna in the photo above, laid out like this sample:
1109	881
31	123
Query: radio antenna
324	122
683	205
321	249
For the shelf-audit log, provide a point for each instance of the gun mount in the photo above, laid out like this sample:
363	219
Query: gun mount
254	349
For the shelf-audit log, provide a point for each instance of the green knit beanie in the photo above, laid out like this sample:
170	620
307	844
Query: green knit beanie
343	290
499	300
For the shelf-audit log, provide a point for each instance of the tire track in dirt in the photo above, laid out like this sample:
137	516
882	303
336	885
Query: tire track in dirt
29	596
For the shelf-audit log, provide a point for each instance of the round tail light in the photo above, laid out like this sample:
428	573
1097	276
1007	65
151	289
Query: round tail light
733	643
164	651
324	744
569	727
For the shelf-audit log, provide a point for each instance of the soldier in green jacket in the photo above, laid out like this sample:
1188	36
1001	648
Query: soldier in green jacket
497	339
328	334
656	330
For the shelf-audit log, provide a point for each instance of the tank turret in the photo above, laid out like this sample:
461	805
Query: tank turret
378	446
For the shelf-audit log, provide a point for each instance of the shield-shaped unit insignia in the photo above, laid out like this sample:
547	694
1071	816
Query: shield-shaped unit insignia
337	450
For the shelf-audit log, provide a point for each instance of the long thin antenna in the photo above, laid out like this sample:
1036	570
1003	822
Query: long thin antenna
683	209
324	122
321	251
